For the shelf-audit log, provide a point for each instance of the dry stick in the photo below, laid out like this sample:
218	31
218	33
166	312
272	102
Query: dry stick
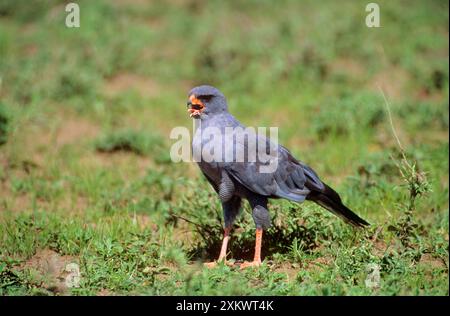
386	102
407	167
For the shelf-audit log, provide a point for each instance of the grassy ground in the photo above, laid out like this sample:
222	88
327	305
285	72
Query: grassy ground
85	116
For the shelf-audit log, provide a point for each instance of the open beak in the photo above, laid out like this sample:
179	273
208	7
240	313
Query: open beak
195	106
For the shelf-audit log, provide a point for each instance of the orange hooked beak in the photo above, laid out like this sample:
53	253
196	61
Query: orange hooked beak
195	106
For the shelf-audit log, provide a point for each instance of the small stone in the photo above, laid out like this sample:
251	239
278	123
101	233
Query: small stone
73	277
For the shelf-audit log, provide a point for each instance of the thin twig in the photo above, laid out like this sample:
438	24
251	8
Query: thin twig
394	132
386	102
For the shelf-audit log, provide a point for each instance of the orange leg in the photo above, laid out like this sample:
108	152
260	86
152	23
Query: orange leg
226	238
257	258
223	250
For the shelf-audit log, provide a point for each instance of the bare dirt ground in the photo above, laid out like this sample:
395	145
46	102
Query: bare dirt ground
50	270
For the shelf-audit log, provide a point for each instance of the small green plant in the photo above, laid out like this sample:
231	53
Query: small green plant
416	182
417	185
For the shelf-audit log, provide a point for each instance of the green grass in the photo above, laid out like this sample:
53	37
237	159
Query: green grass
85	116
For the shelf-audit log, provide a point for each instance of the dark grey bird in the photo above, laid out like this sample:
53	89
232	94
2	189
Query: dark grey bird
219	144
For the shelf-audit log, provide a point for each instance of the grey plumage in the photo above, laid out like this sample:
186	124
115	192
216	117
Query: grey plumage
233	181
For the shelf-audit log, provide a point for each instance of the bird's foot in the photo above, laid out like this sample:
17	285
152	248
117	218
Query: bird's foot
210	265
214	264
252	264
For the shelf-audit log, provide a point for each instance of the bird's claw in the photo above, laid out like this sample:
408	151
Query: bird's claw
214	264
210	265
252	264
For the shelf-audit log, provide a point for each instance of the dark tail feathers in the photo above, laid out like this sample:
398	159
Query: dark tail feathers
330	200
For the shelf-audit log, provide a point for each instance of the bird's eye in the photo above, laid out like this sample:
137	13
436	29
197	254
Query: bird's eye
205	97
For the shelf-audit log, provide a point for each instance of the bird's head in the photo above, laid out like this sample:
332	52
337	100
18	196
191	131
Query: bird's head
206	100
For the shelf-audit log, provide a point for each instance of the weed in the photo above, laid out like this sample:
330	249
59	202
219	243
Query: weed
417	184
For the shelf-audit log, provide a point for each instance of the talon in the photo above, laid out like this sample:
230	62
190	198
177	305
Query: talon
214	264
252	264
210	265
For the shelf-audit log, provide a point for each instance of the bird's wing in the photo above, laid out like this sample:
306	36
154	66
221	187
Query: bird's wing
291	179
